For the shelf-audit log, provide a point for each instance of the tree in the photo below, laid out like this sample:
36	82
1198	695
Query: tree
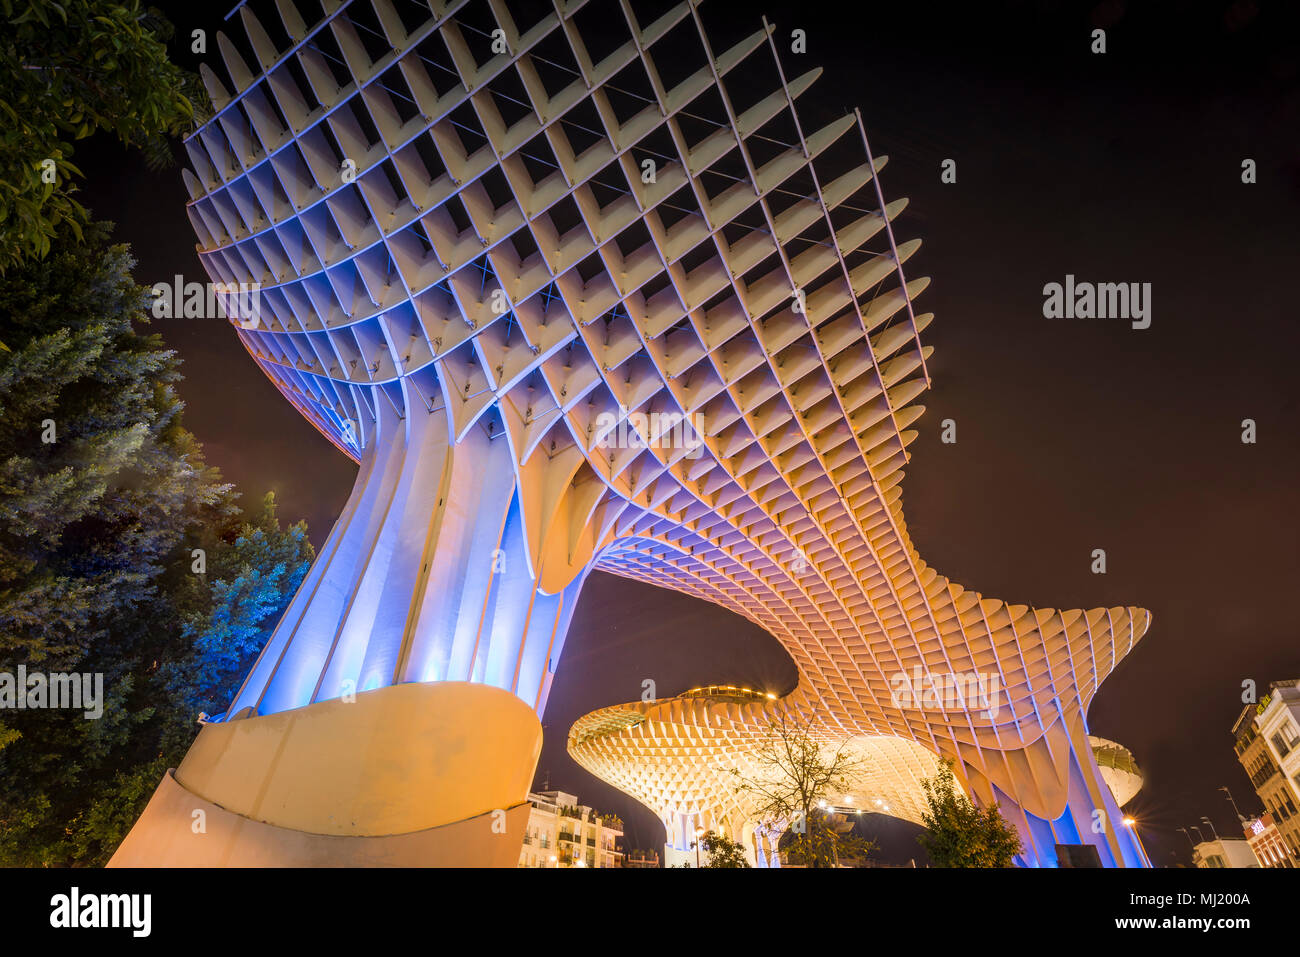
122	555
67	70
253	579
959	834
104	498
99	484
721	851
792	773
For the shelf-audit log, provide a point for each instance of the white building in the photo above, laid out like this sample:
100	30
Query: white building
1268	747
563	833
1224	852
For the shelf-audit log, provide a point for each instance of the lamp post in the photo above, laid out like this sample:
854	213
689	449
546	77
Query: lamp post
1225	790
1210	824
699	832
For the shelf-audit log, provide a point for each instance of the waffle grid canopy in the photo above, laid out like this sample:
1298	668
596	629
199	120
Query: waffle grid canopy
687	757
545	225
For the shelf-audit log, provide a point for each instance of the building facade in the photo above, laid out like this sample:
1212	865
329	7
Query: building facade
1268	746
1224	852
563	833
641	857
1267	842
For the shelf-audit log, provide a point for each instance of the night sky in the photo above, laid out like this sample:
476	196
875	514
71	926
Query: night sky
1072	435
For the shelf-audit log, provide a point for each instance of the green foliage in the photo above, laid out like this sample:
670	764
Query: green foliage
826	841
959	834
67	70
97	528
95	833
253	578
88	521
721	851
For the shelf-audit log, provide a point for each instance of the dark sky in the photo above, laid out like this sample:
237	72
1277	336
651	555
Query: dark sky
1072	435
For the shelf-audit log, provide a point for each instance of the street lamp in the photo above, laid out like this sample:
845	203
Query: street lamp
699	833
1225	790
1210	823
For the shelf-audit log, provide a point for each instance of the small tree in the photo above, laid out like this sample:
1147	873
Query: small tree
793	774
722	851
959	834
